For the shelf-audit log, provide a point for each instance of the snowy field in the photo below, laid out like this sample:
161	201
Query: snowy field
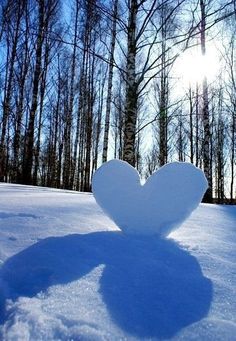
67	273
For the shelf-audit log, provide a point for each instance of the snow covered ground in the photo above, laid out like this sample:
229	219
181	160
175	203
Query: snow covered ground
67	273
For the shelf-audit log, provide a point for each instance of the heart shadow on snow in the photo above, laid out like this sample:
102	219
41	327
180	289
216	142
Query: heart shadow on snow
151	287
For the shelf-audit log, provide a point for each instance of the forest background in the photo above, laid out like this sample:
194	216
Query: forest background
149	82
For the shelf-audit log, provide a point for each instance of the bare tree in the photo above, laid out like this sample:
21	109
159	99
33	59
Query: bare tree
13	13
46	11
205	111
109	84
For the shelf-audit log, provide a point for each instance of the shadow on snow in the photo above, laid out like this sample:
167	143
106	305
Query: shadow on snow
152	287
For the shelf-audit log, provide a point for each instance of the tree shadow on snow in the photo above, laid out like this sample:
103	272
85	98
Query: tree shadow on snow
152	287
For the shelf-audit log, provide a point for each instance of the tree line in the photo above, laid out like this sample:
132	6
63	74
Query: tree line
85	81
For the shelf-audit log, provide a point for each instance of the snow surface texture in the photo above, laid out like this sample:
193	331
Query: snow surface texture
159	206
67	273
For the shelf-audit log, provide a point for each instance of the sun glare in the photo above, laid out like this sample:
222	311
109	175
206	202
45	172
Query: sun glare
192	67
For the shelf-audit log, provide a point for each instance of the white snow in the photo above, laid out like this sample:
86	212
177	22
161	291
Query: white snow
68	273
159	206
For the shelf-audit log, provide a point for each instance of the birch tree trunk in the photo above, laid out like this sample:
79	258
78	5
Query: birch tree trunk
11	58
109	85
163	115
42	94
233	147
197	125
219	149
205	112
24	67
131	88
191	124
98	123
29	143
68	166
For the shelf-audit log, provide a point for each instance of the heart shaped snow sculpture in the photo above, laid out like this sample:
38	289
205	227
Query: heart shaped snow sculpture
159	206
